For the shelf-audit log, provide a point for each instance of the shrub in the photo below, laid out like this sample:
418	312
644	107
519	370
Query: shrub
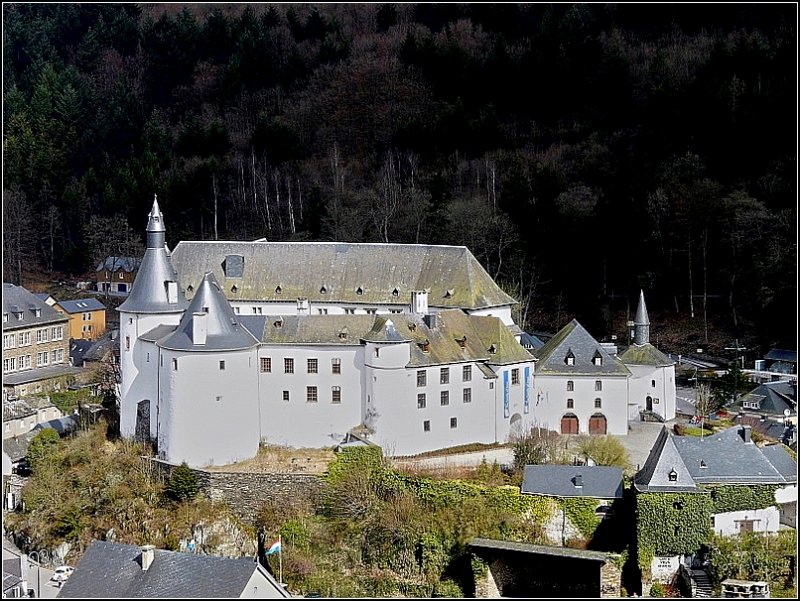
182	484
604	450
657	590
447	588
42	447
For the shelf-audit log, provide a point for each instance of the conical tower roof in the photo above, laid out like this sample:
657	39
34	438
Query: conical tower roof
223	332
641	312
641	324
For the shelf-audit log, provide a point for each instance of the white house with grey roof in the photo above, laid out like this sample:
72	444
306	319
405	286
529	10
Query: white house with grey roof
409	346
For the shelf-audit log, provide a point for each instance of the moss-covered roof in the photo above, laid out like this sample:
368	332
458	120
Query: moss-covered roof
575	340
645	354
341	273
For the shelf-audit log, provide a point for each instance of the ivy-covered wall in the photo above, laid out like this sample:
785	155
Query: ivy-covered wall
582	513
672	523
741	498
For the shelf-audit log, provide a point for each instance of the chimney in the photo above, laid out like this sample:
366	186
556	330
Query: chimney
745	433
419	302
148	555
578	481
431	321
199	327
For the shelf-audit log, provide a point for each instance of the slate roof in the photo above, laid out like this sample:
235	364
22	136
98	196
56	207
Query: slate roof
111	570
645	354
224	332
770	428
778	354
773	398
598	482
17	447
720	458
781	461
341	272
17	299
502	545
127	264
529	341
62	425
39	373
24	407
81	305
575	339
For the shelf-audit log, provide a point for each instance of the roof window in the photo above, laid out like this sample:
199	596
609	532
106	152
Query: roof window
278	290
449	293
570	358
359	291
395	292
493	349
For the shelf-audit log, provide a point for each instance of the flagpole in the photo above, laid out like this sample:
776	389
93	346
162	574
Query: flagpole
280	560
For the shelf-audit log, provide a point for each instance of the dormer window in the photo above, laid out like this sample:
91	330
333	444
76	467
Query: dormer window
343	334
449	293
323	290
412	326
189	288
570	358
425	345
597	359
278	290
395	292
493	349
278	324
703	464
462	342
359	291
234	289
673	476
5	317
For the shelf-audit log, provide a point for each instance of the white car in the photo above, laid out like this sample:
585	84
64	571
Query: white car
62	573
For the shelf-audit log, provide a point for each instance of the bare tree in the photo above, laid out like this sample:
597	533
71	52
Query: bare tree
17	233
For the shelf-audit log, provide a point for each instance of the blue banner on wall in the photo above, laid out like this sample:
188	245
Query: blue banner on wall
527	389
506	392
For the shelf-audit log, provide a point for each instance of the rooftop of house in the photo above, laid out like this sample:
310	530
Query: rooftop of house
112	570
599	482
126	264
334	272
574	341
23	309
17	447
19	408
778	354
730	456
645	354
82	305
62	425
39	373
772	398
501	545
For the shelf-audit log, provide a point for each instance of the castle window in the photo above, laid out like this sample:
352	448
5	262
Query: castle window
444	375
422	378
570	403
336	395
421	401
336	366
286	395
466	373
349	311
598	403
515	376
322	311
598	385
570	385
266	365
312	366
222	366
288	366
174	365
377	351
371	311
467	397
426	425
652	383
311	394
453	423
445	398
127	343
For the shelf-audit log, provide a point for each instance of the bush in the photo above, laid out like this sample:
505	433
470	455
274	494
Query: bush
42	447
604	450
537	446
182	484
657	590
447	588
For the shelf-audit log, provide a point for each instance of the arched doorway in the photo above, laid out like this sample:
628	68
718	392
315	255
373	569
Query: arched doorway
142	432
516	418
569	424
598	424
649	403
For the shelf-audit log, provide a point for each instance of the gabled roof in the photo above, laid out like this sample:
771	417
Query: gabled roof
81	305
529	341
126	264
335	272
773	397
645	354
663	460
720	458
573	338
599	482
111	570
778	354
17	447
19	301
223	330
19	408
781	460
62	425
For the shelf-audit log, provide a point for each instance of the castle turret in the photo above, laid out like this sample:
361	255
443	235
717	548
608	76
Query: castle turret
155	300
641	333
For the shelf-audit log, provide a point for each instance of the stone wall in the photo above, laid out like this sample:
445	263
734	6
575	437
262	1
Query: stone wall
245	493
610	580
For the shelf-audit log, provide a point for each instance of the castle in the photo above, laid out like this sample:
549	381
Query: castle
228	345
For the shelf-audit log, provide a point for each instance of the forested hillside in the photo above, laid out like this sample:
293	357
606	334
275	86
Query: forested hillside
580	151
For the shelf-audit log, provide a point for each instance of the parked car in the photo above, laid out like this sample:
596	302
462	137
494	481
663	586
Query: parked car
62	573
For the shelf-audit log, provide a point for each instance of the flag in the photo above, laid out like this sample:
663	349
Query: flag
274	548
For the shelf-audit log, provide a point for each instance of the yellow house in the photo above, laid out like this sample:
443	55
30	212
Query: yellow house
87	317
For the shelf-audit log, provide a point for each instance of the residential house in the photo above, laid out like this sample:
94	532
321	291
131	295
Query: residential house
780	361
46	298
35	344
115	571
115	275
695	465
20	416
771	399
87	317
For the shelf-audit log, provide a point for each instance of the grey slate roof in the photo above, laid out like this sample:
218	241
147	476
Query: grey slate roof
126	264
341	272
529	341
502	545
574	338
39	373
81	305
778	354
17	299
599	482
24	407
17	447
62	425
781	460
773	398
111	570
224	332
149	292
78	348
720	458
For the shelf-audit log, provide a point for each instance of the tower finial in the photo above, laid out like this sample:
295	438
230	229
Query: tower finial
156	232
641	322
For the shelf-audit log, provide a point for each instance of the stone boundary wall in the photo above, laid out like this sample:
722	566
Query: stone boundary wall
246	492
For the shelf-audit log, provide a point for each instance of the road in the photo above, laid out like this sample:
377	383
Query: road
49	589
